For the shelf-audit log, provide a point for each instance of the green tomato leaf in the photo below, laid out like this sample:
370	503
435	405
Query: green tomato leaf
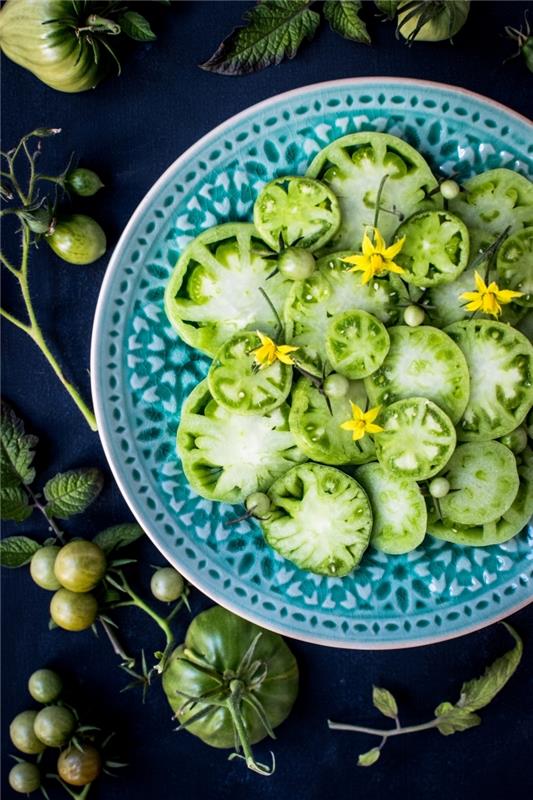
369	758
136	27
118	536
14	504
343	17
70	493
479	692
384	702
274	30
452	719
16	449
387	7
15	551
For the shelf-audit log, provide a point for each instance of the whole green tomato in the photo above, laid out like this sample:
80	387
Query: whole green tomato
80	565
45	685
42	567
79	766
23	735
83	182
250	670
54	725
73	611
24	777
52	39
77	239
167	584
431	20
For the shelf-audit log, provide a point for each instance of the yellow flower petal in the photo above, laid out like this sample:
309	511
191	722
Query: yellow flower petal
480	283
392	267
469	296
359	262
475	305
379	242
394	249
506	295
371	414
367	247
371	428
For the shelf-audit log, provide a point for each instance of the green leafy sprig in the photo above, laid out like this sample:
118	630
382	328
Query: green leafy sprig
449	717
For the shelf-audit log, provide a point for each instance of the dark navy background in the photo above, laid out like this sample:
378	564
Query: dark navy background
130	129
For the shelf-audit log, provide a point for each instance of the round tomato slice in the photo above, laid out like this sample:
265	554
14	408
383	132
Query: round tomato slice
356	343
354	167
296	212
320	519
514	264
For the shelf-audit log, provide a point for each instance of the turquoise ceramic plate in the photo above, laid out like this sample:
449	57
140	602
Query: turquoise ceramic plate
141	372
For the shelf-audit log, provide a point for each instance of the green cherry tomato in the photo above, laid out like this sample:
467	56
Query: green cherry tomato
45	685
54	725
439	487
42	567
167	584
296	263
80	565
73	611
83	181
449	189
258	504
24	778
414	316
23	735
516	440
336	386
78	239
78	767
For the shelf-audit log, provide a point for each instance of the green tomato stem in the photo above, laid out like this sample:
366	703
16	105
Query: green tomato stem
378	200
233	704
115	644
39	506
8	265
398	731
160	621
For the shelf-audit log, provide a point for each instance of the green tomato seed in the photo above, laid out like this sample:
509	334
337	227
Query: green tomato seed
414	316
439	487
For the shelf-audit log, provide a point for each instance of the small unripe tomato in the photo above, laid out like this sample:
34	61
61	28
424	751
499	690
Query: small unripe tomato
54	725
80	566
258	504
25	778
45	685
23	735
42	567
79	767
439	487
336	386
78	239
516	440
167	584
73	611
83	181
414	316
449	189
296	263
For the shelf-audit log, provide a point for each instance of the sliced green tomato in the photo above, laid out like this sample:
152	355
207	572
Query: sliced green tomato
435	250
236	383
320	520
354	167
422	362
491	202
228	456
497	531
296	212
514	264
446	305
398	510
483	483
417	441
500	362
330	290
356	343
214	290
317	431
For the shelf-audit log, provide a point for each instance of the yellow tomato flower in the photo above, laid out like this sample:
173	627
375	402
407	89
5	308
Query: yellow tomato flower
269	352
362	422
488	298
376	257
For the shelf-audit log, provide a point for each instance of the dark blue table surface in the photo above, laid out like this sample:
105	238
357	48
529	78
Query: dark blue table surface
130	129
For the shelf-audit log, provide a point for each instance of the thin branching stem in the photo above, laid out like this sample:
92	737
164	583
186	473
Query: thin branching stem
397	731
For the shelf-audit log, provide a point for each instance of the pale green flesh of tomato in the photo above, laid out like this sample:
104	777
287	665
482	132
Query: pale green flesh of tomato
356	343
296	212
514	264
497	531
417	441
435	250
236	382
321	520
500	362
483	483
354	167
493	201
398	510
317	431
331	290
215	292
421	362
226	456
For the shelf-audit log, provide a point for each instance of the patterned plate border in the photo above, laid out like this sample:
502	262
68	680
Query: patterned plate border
466	617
